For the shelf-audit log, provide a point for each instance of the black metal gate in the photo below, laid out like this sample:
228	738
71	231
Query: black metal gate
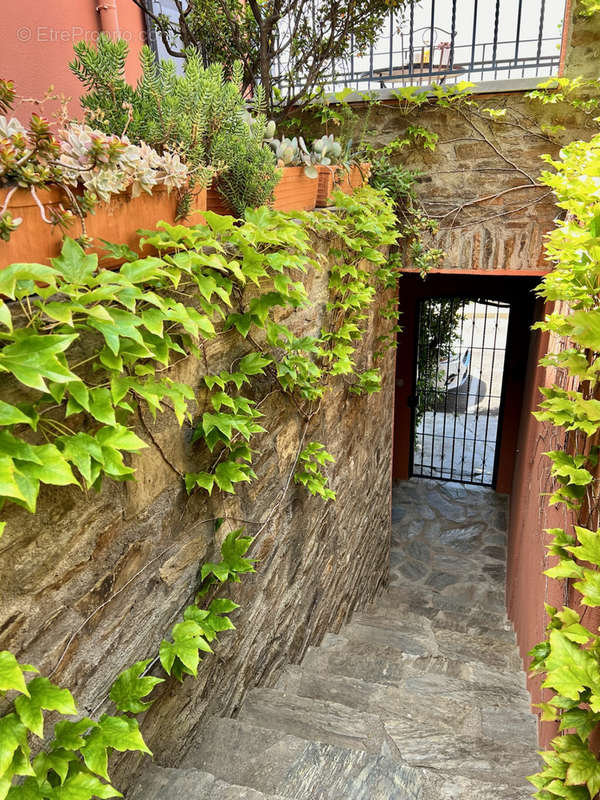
459	378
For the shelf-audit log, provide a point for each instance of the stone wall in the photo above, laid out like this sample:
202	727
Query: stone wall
480	181
93	582
581	42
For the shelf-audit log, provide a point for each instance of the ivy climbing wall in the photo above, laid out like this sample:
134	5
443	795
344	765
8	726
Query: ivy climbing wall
94	581
478	158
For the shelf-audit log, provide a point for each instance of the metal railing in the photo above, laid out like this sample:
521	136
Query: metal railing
442	41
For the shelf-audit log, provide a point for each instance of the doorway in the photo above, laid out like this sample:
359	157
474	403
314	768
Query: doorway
471	335
459	360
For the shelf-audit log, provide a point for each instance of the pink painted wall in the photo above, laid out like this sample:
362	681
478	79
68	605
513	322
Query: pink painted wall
37	44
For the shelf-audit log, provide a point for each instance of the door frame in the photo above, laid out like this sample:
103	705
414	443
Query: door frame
515	290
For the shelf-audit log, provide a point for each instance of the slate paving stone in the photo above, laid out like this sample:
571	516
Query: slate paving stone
440	580
421	696
411	569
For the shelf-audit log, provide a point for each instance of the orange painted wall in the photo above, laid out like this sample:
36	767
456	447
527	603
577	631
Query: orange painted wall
37	44
530	516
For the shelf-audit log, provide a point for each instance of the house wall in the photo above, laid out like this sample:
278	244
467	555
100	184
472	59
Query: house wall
530	516
37	45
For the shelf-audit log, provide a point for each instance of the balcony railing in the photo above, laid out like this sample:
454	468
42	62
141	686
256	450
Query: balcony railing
443	41
447	41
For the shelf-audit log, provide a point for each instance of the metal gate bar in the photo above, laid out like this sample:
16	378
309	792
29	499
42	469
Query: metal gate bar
461	345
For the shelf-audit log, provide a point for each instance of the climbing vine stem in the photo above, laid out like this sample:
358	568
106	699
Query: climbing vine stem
90	351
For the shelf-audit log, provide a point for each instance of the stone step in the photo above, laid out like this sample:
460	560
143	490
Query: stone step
419	597
163	783
461	741
423	641
473	756
314	720
416	743
385	664
280	764
464	621
425	701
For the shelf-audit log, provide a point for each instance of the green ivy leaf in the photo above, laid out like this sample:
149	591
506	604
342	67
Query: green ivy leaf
56	761
11	674
13	735
70	735
571	669
33	358
74	264
15	274
11	415
83	786
5	316
43	694
187	641
117	733
220	605
129	688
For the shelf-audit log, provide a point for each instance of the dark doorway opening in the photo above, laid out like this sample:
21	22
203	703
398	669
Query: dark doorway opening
481	408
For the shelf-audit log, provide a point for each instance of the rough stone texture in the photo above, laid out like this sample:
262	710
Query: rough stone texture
505	232
419	697
93	582
582	44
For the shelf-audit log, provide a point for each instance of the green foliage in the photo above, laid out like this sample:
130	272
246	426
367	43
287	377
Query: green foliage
287	47
569	659
312	458
181	656
251	174
179	113
132	322
87	347
75	761
587	8
437	336
580	93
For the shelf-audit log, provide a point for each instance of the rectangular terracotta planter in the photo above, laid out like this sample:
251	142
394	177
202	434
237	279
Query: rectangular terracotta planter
337	177
214	201
116	221
293	192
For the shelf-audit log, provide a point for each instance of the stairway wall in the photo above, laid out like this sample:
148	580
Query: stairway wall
93	582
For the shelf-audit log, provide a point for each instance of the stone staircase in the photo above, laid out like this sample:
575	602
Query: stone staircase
420	697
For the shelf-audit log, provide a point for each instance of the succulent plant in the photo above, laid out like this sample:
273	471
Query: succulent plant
270	129
106	164
287	151
254	124
326	150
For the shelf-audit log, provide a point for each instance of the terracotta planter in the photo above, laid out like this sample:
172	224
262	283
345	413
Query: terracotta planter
336	177
116	221
214	201
293	192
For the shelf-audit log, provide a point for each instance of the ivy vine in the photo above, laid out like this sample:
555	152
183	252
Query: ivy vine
86	348
569	659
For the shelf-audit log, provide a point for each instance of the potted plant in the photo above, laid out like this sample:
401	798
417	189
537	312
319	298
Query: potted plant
83	182
297	188
337	170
